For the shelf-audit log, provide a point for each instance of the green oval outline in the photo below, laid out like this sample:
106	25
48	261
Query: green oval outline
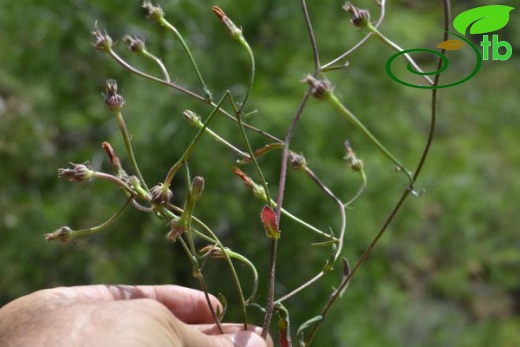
444	58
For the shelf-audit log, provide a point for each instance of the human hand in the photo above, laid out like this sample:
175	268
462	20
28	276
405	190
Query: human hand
119	315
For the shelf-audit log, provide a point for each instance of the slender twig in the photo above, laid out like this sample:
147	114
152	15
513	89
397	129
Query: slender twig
403	197
283	173
167	24
360	43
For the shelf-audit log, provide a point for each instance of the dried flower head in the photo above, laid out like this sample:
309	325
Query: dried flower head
358	17
177	228
354	162
103	42
63	234
80	173
320	89
113	100
297	161
160	194
135	44
154	12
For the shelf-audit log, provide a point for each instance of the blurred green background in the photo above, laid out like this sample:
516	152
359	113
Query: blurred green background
445	274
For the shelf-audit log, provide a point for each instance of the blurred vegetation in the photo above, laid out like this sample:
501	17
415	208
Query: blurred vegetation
445	273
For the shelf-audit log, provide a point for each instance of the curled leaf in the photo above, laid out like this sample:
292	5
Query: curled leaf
483	19
451	45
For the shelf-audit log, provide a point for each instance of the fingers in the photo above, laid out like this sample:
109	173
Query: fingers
234	336
189	305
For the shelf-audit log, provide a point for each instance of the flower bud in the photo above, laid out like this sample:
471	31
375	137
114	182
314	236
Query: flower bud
233	30
197	186
213	251
192	118
79	173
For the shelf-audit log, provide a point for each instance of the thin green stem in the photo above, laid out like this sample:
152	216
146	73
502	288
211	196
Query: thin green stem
126	139
360	190
86	231
181	89
345	282
158	61
205	89
215	240
244	43
173	170
198	274
357	123
330	64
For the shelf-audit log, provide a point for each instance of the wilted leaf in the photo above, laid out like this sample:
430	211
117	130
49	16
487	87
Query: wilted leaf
483	19
451	45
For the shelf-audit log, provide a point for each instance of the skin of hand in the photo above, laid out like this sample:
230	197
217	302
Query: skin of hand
119	315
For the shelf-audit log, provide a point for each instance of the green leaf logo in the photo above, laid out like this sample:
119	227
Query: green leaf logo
483	19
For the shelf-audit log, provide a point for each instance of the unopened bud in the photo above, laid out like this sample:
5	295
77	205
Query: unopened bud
197	186
192	118
213	251
233	30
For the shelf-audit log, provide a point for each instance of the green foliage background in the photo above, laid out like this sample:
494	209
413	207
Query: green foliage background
446	272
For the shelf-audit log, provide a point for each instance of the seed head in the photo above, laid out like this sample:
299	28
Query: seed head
320	89
80	173
160	194
358	17
154	12
177	228
103	42
113	100
135	44
63	234
297	161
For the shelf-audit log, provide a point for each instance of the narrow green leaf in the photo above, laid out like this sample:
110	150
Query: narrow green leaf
306	325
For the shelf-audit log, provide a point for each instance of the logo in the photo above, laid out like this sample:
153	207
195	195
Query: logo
479	20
